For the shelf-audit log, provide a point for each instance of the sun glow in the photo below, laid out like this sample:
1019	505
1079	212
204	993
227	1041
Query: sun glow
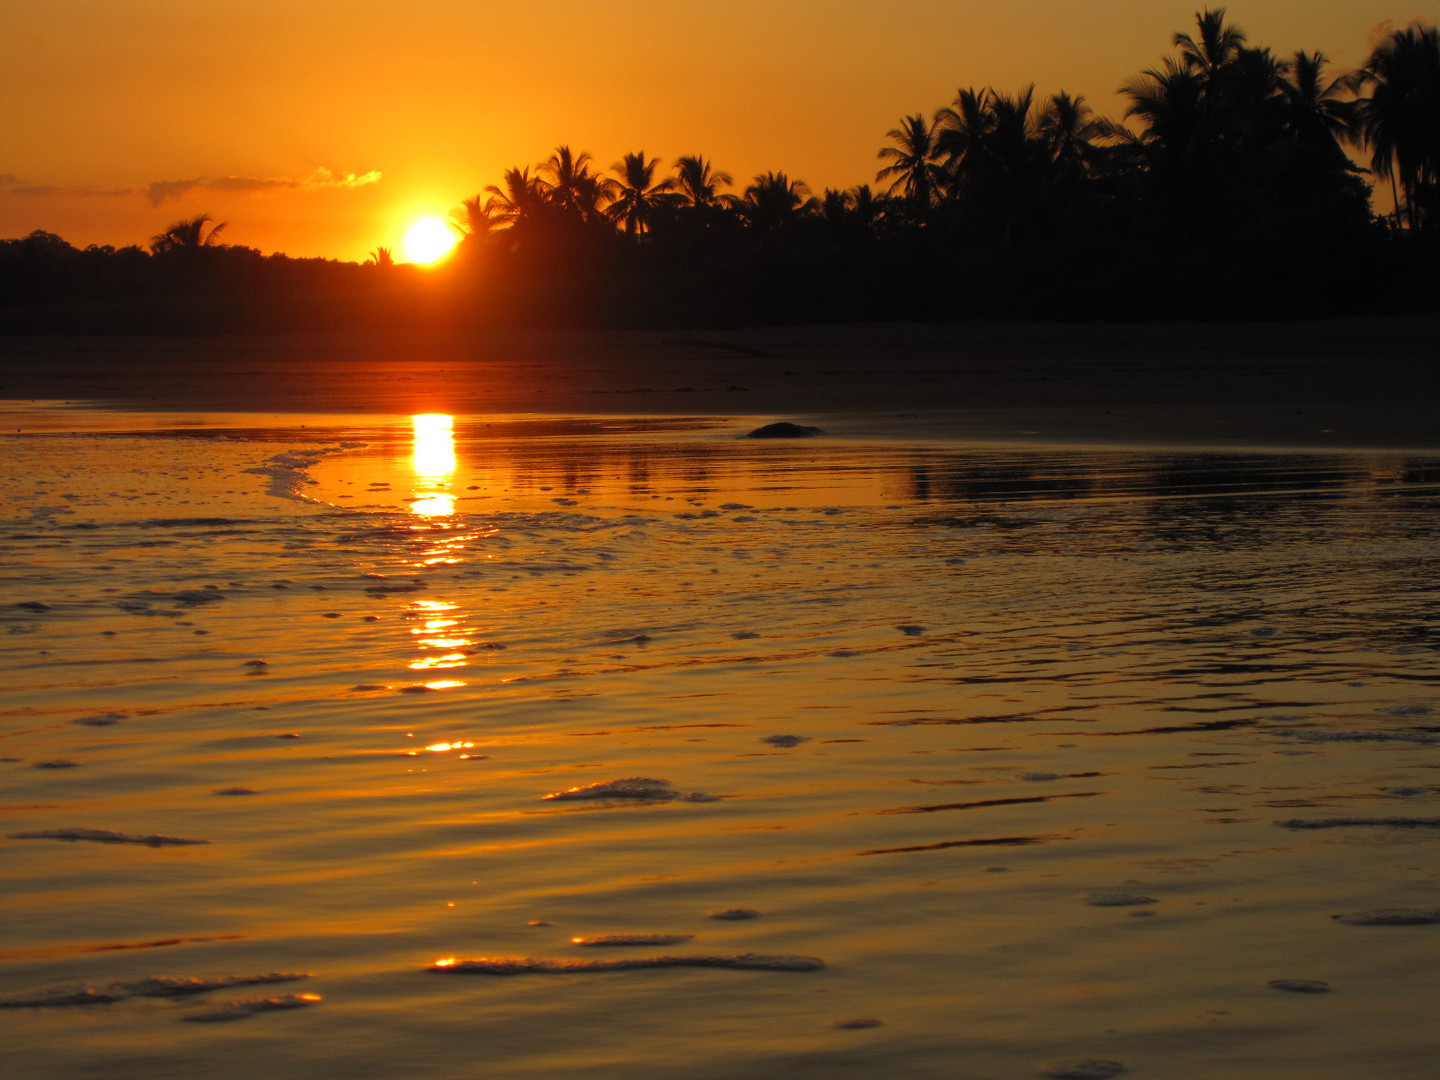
434	441
428	240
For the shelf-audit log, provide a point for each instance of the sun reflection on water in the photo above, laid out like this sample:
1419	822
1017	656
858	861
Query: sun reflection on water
440	633
434	461
434	444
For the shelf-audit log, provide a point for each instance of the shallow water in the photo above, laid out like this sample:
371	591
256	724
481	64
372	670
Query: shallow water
1047	755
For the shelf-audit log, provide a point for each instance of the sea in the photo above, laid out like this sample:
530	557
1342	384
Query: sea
609	747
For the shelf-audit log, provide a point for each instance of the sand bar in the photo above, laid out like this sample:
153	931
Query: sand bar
1370	382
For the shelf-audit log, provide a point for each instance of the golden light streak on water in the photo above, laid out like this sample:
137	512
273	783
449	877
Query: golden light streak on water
1217	644
431	663
434	454
433	459
434	506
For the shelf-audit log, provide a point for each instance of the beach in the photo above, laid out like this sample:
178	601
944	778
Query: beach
1366	382
1065	707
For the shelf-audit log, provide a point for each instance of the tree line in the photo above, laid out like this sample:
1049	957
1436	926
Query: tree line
1225	191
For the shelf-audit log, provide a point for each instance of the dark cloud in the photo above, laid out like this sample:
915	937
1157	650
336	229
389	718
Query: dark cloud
256	184
10	184
31	191
162	191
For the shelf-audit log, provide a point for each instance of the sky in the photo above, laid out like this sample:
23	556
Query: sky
326	127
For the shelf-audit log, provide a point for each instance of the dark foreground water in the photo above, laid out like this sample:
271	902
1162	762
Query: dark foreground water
1000	761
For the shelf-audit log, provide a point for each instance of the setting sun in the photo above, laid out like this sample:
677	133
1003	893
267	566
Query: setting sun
428	240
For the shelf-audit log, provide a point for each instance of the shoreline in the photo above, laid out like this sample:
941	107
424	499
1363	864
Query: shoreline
1370	383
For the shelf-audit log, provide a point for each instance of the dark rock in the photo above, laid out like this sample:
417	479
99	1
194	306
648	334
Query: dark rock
784	430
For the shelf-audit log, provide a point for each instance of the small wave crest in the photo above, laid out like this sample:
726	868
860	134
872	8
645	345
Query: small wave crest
105	836
524	965
154	986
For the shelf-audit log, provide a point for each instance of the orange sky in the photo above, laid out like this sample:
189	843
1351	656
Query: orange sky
324	127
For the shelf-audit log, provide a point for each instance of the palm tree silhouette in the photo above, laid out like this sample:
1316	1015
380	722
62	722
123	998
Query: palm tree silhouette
188	235
1316	115
915	171
993	151
1213	48
1191	106
865	208
566	182
774	201
1169	103
1067	127
962	129
518	203
637	197
835	208
477	217
380	258
1011	132
1399	121
698	183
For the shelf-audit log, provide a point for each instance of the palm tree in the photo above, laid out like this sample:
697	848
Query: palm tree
991	145
637	197
914	170
697	182
865	208
188	235
835	207
1399	120
851	216
1192	105
566	182
774	201
1318	115
963	128
1216	45
1066	128
380	258
1012	129
1247	102
1169	103
477	217
518	202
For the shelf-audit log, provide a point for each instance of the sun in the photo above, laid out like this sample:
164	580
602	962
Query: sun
428	240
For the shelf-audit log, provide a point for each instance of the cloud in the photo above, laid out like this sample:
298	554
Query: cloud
1381	32
103	191
160	192
323	177
163	191
10	184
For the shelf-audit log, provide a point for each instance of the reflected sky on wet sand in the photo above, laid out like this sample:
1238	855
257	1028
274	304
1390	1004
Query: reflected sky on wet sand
735	757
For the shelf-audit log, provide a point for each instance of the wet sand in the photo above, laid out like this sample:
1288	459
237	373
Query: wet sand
592	739
1371	382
